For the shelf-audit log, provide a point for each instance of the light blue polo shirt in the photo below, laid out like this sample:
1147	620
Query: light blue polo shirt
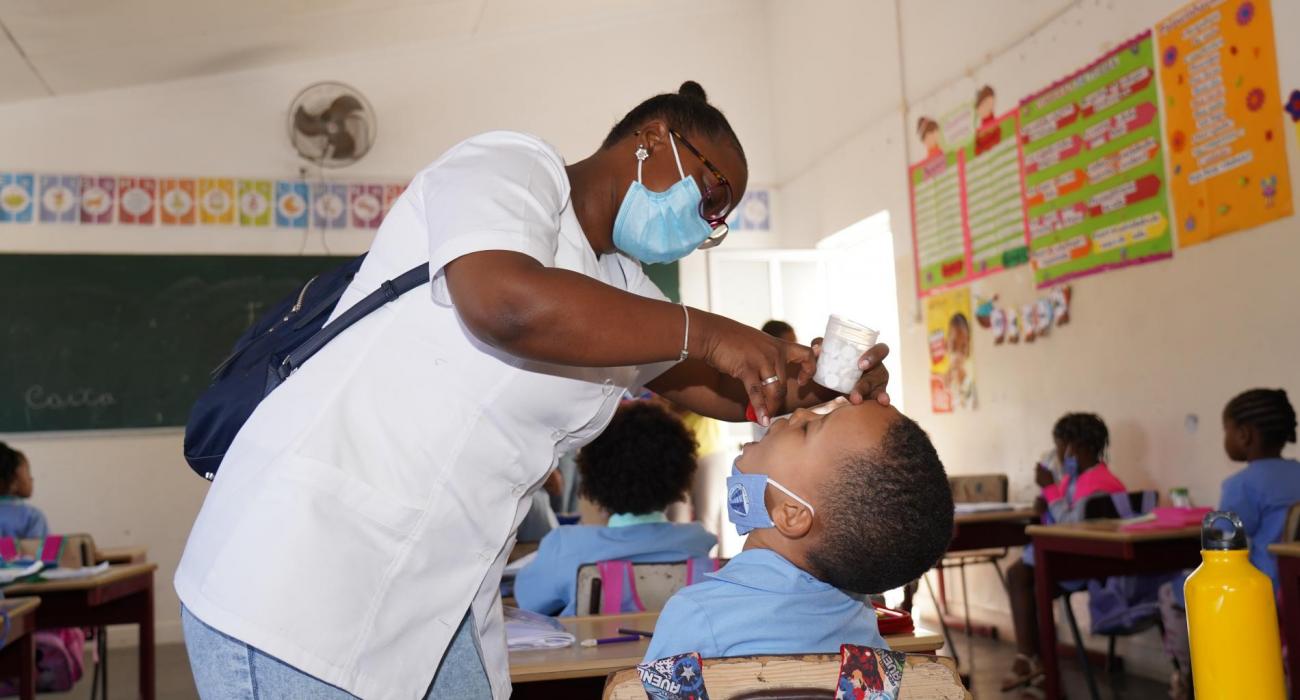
22	520
760	603
548	585
1261	494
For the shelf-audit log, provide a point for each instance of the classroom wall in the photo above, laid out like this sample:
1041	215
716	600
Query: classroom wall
569	85
1147	347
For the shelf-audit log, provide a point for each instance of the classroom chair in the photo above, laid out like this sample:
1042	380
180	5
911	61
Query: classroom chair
798	676
652	584
1103	506
966	488
1291	530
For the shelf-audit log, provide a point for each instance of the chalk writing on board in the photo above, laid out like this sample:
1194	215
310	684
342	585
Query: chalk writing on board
38	399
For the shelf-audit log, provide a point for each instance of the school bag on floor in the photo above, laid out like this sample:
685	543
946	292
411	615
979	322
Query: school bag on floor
1119	605
272	349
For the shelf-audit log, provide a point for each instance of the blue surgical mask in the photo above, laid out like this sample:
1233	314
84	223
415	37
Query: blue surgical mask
746	505
660	227
1070	467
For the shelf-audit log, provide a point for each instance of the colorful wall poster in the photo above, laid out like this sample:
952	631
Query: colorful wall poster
136	200
177	201
291	209
391	193
216	200
938	234
329	205
254	202
948	332
17	197
366	204
994	192
97	199
59	198
753	213
1227	151
1094	172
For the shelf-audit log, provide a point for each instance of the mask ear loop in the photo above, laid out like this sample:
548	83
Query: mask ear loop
792	494
641	155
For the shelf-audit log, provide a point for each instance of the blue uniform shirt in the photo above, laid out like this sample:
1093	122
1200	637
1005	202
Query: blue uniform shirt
20	519
547	585
760	603
1261	494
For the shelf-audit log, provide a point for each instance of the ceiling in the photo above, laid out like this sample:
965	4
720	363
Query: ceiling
58	47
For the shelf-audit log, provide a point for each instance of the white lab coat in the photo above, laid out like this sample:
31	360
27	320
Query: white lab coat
373	497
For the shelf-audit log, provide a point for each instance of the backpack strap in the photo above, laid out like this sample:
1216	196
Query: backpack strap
8	548
388	291
51	551
616	576
1122	504
1148	501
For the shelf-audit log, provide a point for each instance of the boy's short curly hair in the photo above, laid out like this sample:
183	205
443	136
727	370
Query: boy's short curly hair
1083	430
643	462
886	516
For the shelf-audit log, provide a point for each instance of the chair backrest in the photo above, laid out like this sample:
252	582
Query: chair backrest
798	676
75	550
1100	506
978	488
652	584
1291	531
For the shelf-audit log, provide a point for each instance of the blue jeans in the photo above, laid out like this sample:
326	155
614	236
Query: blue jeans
225	668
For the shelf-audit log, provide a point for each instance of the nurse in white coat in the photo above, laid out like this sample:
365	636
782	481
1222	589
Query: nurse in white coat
353	541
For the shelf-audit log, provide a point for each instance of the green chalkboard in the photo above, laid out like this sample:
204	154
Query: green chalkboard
126	341
97	342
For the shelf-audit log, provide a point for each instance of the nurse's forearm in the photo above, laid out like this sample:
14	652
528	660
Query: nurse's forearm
512	302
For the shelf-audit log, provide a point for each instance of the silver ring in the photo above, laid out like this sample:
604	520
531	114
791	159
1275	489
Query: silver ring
771	380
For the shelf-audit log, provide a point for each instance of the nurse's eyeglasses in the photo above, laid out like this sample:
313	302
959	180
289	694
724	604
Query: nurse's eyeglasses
715	205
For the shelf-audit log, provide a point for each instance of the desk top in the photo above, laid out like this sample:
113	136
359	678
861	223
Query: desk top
1109	530
113	575
996	516
1285	549
586	662
18	608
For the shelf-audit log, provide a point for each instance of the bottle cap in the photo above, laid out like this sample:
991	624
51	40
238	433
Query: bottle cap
1214	539
750	414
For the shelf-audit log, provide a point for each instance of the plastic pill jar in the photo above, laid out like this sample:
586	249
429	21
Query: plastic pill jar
842	347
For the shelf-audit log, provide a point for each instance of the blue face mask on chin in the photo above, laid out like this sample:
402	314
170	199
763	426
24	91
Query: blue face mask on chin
1070	467
746	502
660	227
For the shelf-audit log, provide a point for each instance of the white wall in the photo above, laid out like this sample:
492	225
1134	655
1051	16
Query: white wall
1148	346
568	85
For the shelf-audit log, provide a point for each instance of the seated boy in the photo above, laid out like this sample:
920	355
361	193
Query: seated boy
860	502
642	463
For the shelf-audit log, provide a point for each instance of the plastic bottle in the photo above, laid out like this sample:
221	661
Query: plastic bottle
1232	619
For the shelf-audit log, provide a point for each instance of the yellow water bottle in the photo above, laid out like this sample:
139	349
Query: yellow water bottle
1232	619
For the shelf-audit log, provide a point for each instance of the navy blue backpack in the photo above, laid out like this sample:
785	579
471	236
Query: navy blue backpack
271	349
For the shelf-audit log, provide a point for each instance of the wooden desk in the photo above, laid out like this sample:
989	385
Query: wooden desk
521	549
1095	549
123	595
1288	575
991	530
18	652
597	662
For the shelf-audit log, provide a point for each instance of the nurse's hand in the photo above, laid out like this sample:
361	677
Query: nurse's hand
875	378
762	363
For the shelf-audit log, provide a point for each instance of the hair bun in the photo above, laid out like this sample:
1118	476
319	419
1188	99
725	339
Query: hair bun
690	88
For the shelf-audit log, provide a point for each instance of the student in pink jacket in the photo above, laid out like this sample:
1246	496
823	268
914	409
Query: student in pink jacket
1081	440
